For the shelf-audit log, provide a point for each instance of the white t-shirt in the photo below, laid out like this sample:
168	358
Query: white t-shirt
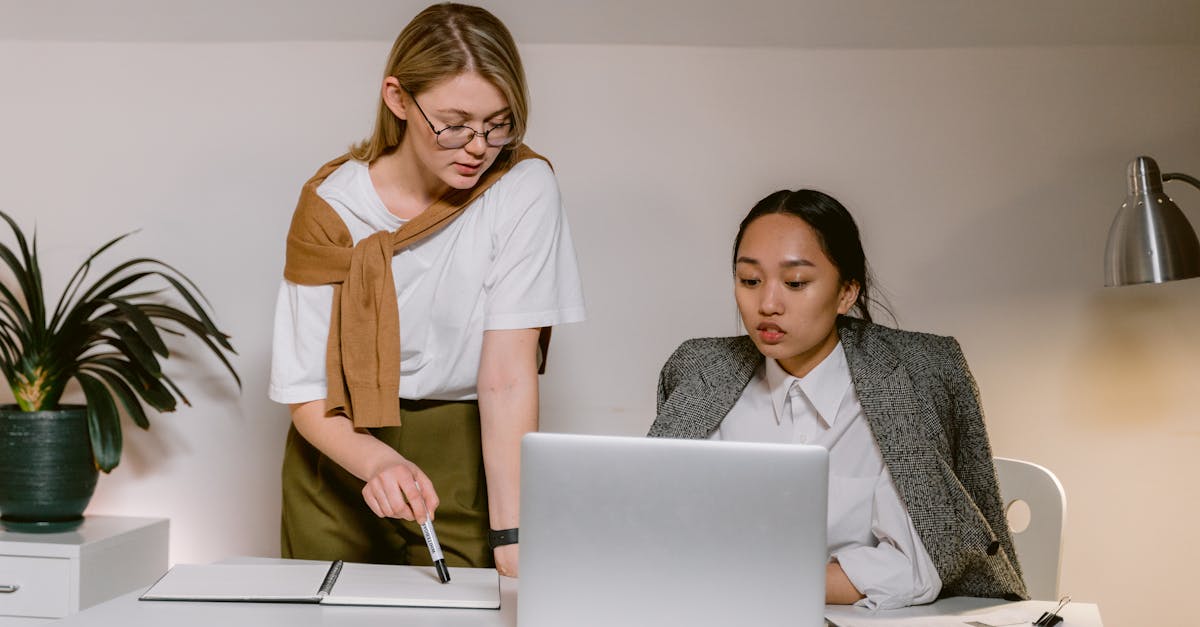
506	262
869	530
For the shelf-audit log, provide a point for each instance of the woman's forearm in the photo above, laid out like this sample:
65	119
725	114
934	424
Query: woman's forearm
508	409
839	590
359	452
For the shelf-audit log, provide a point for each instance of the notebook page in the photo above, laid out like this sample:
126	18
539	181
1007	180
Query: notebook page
415	586
240	582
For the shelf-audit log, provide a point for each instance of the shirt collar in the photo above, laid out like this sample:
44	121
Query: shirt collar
371	208
825	385
778	382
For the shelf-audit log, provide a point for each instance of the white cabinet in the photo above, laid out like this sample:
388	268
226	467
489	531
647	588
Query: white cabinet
51	575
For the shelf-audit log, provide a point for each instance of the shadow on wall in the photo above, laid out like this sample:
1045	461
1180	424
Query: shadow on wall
217	407
1138	355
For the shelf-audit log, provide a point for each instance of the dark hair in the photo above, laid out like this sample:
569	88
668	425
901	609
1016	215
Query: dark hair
836	232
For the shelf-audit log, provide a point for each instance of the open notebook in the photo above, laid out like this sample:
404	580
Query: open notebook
339	583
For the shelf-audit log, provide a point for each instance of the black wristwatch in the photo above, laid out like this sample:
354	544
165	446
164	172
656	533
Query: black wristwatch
502	537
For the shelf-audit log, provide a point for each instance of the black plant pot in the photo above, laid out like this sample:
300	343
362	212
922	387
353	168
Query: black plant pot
47	472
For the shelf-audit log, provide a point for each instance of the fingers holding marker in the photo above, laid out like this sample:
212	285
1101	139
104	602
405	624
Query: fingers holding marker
372	502
384	500
417	504
401	491
385	495
396	497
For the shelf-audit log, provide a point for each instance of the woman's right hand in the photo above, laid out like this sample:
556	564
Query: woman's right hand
395	487
401	490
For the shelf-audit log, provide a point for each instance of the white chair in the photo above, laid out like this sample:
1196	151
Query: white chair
1038	545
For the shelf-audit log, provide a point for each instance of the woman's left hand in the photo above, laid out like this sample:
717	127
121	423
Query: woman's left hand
506	559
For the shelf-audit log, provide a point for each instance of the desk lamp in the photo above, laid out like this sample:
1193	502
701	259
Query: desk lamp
1150	240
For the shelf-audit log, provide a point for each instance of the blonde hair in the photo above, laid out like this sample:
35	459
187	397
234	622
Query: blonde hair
441	42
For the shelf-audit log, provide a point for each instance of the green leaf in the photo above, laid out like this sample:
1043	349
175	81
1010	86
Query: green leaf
8	339
36	306
201	315
77	313
147	387
175	390
104	423
10	304
197	327
122	391
183	286
224	360
141	323
76	281
131	345
24	269
113	282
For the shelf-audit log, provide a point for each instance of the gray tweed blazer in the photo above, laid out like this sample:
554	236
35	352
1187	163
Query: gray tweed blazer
922	405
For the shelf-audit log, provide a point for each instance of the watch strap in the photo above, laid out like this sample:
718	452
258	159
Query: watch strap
502	537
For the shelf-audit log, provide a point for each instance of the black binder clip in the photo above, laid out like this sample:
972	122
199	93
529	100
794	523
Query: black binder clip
1050	619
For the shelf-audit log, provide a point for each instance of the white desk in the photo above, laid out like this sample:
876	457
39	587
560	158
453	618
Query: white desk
1074	614
127	611
57	574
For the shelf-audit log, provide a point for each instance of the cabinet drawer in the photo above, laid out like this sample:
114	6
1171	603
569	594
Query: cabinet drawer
44	586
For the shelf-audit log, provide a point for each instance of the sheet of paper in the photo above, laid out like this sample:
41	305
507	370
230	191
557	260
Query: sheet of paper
418	586
240	582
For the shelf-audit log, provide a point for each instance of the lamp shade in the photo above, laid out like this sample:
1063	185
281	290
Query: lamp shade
1150	241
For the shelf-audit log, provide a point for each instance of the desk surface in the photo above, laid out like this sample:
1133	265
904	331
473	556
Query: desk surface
946	610
96	532
129	612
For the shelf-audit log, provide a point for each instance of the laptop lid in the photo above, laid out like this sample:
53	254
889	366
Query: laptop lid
649	531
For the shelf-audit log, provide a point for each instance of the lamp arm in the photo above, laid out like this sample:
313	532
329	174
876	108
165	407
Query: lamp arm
1180	176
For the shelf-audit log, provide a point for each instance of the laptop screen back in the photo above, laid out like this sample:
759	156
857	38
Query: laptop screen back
646	531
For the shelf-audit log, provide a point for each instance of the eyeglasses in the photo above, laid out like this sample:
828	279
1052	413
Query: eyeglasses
458	136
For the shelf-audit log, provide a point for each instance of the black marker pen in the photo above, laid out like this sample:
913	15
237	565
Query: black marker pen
435	550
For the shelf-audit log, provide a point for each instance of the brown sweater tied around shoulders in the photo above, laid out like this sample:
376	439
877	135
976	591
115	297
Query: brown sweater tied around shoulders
362	355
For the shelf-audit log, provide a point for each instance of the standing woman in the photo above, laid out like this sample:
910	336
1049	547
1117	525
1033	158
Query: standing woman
914	509
424	271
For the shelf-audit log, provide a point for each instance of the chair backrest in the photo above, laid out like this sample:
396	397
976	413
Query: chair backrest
1039	545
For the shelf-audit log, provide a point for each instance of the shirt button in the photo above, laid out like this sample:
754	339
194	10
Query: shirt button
803	439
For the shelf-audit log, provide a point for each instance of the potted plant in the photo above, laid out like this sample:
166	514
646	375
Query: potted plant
108	337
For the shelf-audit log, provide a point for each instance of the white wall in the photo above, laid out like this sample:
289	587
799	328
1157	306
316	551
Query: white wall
984	181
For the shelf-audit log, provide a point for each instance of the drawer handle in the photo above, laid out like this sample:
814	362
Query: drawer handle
7	589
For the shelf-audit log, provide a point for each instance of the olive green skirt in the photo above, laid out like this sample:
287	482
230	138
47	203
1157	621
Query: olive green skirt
326	518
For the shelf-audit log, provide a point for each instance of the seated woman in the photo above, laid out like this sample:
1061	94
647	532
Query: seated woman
914	509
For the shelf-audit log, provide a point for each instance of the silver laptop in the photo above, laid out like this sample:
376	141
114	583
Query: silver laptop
632	532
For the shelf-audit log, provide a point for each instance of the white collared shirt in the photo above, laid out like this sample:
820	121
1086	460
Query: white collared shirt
869	530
